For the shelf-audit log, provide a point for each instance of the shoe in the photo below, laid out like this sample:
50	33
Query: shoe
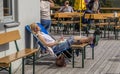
77	52
93	41
97	32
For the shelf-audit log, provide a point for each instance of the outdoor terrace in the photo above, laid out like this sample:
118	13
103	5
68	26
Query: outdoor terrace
106	61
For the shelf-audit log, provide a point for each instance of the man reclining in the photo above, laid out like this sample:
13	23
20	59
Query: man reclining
57	45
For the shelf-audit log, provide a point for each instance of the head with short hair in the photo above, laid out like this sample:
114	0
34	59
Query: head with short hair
66	2
35	28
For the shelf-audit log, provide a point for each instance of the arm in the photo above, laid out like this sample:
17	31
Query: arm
62	8
72	9
51	3
98	11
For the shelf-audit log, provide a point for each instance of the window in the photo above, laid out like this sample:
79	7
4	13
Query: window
9	10
7	4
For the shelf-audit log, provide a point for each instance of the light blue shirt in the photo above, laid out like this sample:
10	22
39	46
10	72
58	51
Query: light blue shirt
66	9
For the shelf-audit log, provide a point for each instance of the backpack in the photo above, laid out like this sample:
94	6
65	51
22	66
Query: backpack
60	61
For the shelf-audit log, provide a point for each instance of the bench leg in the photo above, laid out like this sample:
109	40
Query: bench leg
33	63
73	58
104	31
10	72
93	53
83	58
84	53
116	34
23	66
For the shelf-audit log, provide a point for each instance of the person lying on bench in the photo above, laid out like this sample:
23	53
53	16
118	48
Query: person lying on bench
56	45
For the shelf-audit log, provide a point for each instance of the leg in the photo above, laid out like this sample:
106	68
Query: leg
61	47
46	24
83	39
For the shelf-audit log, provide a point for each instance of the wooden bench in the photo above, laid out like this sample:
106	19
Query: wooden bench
5	62
117	29
104	16
81	47
110	9
66	20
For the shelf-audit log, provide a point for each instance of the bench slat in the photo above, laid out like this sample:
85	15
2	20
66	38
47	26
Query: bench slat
9	36
79	45
104	24
23	53
67	15
4	65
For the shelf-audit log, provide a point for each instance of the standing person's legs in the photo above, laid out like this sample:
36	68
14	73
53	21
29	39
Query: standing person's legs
46	24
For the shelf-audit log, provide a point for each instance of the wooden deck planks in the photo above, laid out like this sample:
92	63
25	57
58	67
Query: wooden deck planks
101	60
107	60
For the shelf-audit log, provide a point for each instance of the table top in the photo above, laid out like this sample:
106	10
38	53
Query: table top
100	15
67	15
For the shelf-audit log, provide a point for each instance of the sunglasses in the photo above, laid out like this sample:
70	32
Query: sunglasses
67	3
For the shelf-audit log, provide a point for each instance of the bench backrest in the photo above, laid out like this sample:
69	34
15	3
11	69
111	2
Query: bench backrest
9	36
67	15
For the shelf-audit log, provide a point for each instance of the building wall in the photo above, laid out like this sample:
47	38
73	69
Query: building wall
28	12
1	10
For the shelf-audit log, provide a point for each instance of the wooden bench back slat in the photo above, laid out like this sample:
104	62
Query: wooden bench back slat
67	15
9	36
15	56
100	16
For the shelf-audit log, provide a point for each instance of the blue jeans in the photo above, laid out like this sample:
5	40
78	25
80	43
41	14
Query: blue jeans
63	46
46	24
87	21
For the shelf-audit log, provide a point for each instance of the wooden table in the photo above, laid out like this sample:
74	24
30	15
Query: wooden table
82	47
79	47
69	18
102	16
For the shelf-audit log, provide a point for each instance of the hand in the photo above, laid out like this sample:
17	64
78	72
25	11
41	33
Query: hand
61	38
66	5
57	42
98	12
